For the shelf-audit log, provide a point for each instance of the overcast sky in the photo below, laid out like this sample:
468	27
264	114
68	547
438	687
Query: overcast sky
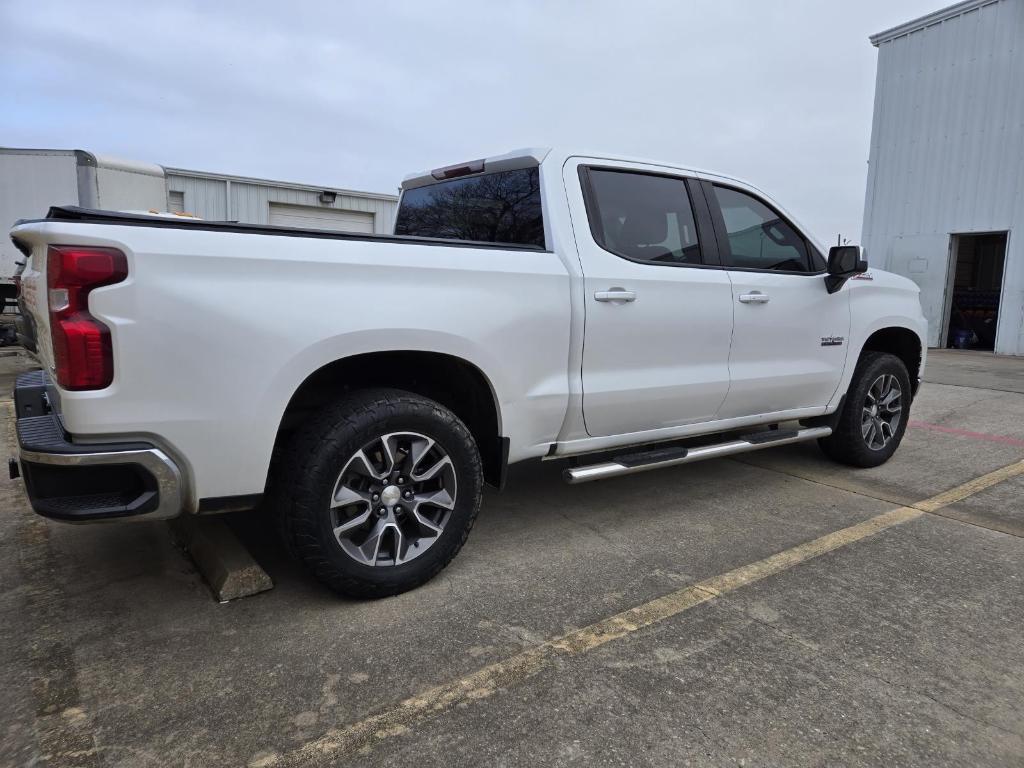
356	95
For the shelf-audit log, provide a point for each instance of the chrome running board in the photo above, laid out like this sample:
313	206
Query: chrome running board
656	458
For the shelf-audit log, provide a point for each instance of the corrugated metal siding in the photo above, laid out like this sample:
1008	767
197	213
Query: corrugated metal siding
947	153
206	198
251	199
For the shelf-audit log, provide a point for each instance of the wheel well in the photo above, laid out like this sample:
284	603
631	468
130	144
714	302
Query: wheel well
451	381
901	342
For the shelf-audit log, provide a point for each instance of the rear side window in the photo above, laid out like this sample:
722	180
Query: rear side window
643	217
759	238
502	207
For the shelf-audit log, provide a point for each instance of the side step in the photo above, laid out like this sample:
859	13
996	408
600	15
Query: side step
669	457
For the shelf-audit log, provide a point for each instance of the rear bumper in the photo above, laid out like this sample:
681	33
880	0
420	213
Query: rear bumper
79	482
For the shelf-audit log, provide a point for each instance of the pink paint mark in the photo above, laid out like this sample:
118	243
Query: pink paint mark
967	433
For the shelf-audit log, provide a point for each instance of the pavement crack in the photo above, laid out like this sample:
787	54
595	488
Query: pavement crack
726	602
617	545
965	386
816	481
934	512
958	712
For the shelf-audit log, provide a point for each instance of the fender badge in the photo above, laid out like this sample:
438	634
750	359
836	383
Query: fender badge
832	341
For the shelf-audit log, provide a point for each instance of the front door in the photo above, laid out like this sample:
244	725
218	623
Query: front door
790	335
658	315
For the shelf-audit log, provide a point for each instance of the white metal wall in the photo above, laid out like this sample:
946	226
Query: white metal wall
207	196
947	151
30	182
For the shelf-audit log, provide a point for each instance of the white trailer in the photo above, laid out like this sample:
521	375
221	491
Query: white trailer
32	180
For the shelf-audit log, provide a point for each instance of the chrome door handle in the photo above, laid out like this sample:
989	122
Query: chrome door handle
756	297
615	294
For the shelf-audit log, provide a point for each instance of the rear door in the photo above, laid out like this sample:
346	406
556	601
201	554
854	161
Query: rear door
790	334
658	306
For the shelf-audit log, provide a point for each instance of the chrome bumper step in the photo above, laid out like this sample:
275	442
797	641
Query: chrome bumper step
656	458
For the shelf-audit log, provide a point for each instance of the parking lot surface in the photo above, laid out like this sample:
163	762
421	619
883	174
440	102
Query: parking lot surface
775	609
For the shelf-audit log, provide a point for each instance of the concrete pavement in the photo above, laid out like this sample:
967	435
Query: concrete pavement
899	647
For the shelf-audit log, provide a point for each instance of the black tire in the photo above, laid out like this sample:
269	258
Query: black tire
847	443
317	454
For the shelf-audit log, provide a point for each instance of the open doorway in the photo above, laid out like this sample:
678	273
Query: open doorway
975	283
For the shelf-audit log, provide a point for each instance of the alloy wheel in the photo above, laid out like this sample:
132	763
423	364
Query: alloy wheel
883	409
393	498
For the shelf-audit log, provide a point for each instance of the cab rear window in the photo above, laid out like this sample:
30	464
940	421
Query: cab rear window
502	207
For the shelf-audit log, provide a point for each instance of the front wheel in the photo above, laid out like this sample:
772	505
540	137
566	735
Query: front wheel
874	415
379	493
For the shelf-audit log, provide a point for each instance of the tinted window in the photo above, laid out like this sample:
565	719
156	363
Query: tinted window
643	217
499	207
758	237
817	260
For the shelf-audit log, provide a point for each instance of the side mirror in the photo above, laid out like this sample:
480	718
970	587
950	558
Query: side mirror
844	261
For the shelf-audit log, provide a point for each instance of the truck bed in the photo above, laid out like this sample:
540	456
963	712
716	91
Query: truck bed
174	221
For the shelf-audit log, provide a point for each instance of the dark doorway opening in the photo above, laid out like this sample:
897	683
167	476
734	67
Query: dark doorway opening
976	282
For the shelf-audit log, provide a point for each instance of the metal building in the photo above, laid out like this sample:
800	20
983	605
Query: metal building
259	201
31	180
945	192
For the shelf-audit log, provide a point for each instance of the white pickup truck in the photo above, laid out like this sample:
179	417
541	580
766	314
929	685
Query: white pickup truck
540	304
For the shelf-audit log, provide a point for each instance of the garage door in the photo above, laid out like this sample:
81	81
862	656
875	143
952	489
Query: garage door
308	217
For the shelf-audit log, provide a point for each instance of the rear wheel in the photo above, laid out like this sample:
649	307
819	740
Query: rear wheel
380	492
875	412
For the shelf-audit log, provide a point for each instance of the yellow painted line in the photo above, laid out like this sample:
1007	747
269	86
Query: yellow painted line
362	735
961	492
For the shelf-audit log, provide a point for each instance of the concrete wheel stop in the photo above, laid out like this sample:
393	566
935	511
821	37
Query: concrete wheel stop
224	562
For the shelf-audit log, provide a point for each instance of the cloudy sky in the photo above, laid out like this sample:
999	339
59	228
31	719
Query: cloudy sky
356	94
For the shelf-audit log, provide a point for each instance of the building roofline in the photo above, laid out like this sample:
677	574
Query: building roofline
112	163
936	17
276	183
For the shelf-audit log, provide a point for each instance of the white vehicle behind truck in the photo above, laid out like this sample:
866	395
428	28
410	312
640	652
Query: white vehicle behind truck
36	179
539	304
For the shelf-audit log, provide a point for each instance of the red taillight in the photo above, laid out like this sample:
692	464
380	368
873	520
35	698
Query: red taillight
82	354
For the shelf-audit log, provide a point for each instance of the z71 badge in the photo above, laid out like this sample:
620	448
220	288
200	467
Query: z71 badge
832	341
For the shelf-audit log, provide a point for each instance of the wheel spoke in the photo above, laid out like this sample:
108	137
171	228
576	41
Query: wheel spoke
344	496
422	520
360	458
389	452
349	525
370	548
431	473
885	430
420	448
439	498
400	546
891	397
869	432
